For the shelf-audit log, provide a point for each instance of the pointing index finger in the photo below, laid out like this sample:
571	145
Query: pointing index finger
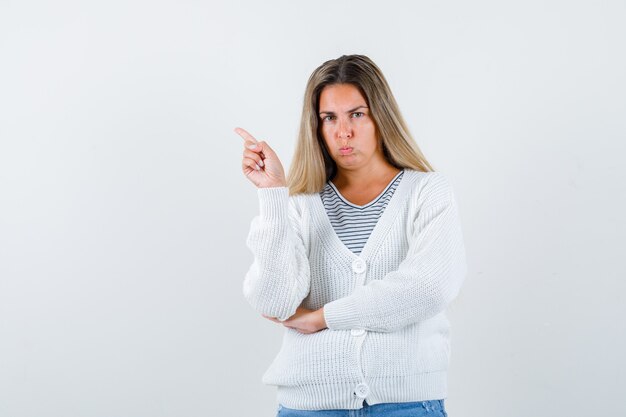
245	135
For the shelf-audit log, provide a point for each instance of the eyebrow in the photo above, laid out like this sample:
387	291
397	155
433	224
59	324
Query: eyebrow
349	111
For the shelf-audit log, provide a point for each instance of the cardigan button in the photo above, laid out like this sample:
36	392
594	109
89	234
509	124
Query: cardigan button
361	390
358	265
357	332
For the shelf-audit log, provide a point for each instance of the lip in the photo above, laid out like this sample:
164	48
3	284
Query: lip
345	151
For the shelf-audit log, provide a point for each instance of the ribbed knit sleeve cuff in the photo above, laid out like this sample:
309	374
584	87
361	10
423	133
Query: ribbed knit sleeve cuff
341	314
273	203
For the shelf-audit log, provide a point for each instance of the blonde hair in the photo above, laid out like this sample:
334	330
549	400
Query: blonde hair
312	165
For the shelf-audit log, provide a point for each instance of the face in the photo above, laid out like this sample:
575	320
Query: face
347	127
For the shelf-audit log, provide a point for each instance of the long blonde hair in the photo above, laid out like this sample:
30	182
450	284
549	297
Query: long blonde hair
312	166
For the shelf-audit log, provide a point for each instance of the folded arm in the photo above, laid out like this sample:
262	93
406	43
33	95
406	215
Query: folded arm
425	282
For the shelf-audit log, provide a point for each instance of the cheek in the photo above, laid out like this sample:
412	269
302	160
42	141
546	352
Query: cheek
327	133
326	137
373	142
366	126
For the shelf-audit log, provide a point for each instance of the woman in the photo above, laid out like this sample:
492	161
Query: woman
357	253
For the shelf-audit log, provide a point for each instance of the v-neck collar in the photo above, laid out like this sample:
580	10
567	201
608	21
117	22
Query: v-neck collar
364	206
330	238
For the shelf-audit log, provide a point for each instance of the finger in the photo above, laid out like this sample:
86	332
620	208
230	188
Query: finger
245	135
254	156
251	163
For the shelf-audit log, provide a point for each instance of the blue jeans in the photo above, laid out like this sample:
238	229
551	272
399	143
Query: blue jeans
430	408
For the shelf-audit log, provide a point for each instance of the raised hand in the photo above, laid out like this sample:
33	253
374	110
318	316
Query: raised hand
260	163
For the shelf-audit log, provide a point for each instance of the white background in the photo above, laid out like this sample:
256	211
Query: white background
124	210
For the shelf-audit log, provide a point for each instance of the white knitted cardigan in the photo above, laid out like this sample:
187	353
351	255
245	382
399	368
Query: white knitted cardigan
388	336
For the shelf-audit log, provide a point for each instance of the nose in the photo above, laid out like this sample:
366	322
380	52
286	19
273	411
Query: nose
344	129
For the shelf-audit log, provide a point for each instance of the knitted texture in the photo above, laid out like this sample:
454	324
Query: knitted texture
388	336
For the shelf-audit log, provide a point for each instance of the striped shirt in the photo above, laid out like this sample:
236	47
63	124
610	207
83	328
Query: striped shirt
352	223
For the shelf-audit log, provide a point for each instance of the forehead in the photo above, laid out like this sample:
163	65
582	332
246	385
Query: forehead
338	96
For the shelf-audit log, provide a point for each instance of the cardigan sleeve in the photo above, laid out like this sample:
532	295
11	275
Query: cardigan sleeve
279	277
425	282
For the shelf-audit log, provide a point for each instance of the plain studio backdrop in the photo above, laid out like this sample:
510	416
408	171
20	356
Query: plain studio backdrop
124	210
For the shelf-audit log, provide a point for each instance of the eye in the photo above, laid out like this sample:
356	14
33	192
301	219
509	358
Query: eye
358	114
328	118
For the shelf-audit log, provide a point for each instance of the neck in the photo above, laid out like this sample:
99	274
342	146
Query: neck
364	176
